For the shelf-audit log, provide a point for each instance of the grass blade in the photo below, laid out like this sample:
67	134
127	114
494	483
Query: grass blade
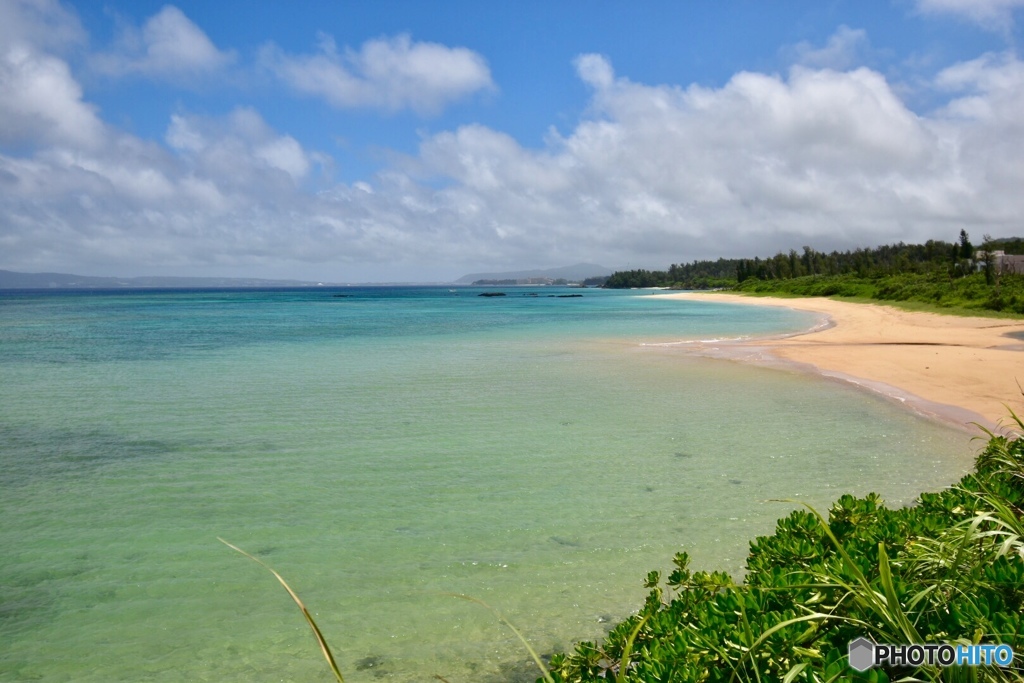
898	615
794	672
814	616
502	619
884	606
305	612
627	650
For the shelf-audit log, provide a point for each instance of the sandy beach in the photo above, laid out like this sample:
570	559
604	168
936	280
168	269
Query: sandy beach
947	367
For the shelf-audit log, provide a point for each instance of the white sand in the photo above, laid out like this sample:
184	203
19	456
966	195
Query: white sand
950	367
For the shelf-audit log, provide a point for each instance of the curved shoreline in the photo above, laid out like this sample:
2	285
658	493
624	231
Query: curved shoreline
954	369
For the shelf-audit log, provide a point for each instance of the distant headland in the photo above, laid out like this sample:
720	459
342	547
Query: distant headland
15	280
587	273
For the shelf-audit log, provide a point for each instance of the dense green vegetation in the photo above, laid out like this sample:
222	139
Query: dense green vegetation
696	275
942	274
971	292
948	570
932	257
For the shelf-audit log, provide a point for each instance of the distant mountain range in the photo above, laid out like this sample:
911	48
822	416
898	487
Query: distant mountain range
575	273
13	280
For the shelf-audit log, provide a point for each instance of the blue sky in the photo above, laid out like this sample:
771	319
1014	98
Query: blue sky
418	141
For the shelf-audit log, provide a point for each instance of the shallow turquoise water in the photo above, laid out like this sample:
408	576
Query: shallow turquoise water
383	450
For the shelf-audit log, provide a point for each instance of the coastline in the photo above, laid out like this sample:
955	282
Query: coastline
950	368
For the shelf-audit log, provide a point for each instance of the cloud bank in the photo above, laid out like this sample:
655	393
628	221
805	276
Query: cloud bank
820	155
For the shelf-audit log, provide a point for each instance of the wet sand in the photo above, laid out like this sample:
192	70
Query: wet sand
947	367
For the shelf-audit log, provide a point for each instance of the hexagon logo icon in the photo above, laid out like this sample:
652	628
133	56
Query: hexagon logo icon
861	654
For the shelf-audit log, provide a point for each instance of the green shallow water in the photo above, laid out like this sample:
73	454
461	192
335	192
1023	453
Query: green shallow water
383	451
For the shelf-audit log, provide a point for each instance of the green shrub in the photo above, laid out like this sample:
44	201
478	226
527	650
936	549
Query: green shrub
970	292
949	569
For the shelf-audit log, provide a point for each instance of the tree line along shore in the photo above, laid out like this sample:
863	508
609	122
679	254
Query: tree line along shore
937	275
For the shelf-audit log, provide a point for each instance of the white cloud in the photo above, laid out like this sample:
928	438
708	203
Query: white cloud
286	154
992	14
844	49
595	70
169	45
990	74
822	157
42	23
40	101
242	141
226	192
985	125
389	73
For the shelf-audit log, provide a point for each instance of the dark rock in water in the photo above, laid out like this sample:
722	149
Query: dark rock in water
371	662
514	672
491	294
341	296
569	296
568	542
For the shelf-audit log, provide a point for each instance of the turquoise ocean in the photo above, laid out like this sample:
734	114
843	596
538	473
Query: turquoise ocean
384	448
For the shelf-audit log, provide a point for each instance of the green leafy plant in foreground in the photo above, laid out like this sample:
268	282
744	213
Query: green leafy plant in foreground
947	570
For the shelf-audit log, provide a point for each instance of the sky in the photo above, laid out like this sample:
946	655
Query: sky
409	141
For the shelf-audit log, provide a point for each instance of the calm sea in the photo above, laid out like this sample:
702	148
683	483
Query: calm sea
383	448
